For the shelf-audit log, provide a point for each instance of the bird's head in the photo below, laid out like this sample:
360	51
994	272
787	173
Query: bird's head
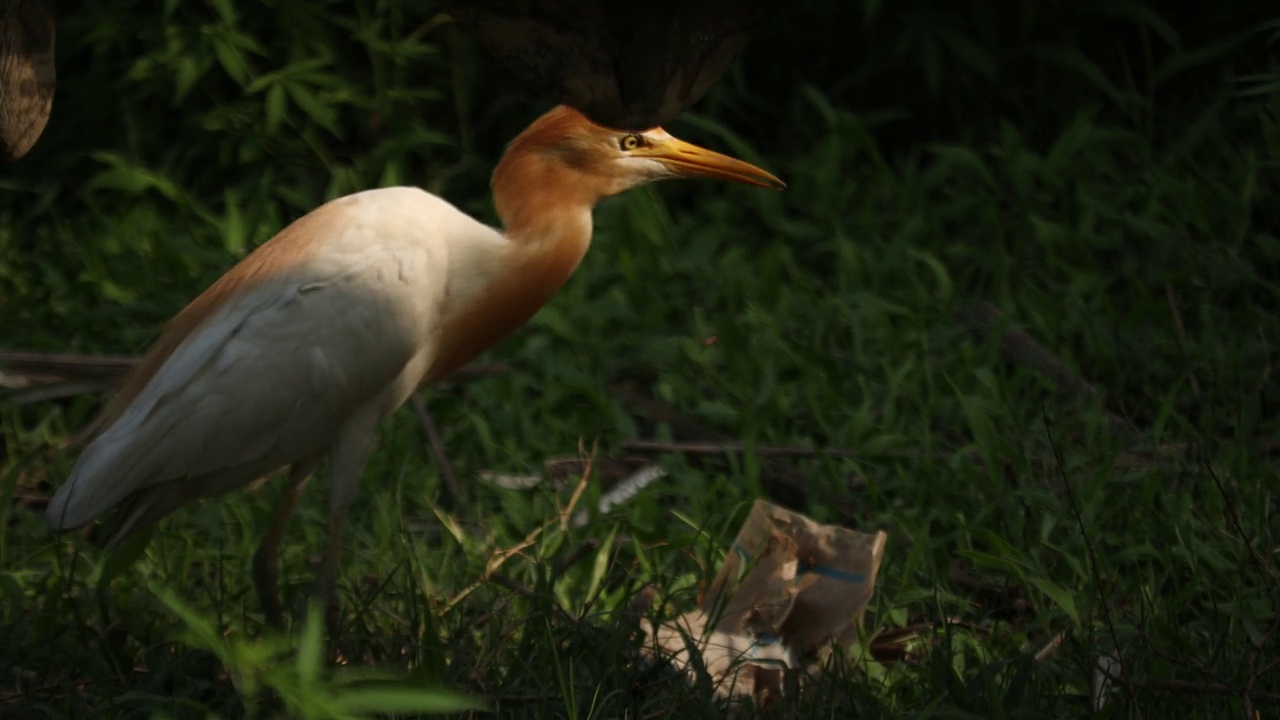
637	158
564	154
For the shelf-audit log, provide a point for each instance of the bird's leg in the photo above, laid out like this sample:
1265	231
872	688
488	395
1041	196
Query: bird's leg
350	453
326	588
266	561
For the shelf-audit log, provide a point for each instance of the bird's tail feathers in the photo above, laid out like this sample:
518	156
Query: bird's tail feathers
104	475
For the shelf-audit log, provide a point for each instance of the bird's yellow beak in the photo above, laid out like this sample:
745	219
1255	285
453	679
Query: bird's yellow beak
688	160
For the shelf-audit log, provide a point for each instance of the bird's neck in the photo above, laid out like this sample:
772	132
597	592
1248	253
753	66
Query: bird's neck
539	198
547	227
545	208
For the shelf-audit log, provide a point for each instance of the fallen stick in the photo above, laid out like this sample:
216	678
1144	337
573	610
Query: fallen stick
28	393
102	366
1020	349
736	448
82	374
786	484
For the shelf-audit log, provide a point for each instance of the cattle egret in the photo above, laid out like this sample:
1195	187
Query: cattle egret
306	344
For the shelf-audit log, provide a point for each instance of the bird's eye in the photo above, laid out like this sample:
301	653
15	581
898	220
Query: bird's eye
630	142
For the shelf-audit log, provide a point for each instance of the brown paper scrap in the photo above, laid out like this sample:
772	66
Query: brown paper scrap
789	590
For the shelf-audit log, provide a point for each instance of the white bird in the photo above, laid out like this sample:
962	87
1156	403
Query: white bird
303	347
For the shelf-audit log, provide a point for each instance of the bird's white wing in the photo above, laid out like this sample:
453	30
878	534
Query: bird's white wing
270	374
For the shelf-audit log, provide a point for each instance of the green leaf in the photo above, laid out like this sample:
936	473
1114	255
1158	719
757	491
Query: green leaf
321	114
969	52
226	11
601	563
310	656
273	107
941	277
401	698
1008	565
1061	597
963	157
234	235
188	73
1073	59
231	59
200	631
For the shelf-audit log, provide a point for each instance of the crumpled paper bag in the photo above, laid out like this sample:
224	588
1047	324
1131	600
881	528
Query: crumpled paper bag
788	592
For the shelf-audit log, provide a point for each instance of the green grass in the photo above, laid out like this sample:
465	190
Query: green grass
828	316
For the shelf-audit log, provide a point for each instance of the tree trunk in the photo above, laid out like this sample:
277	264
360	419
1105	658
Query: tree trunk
27	75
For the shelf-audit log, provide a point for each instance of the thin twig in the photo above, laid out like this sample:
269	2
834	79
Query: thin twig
73	364
67	366
1093	563
735	448
1050	647
786	485
567	511
29	393
1265	573
892	645
609	469
30	499
1264	570
498	558
791	451
453	491
1019	348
